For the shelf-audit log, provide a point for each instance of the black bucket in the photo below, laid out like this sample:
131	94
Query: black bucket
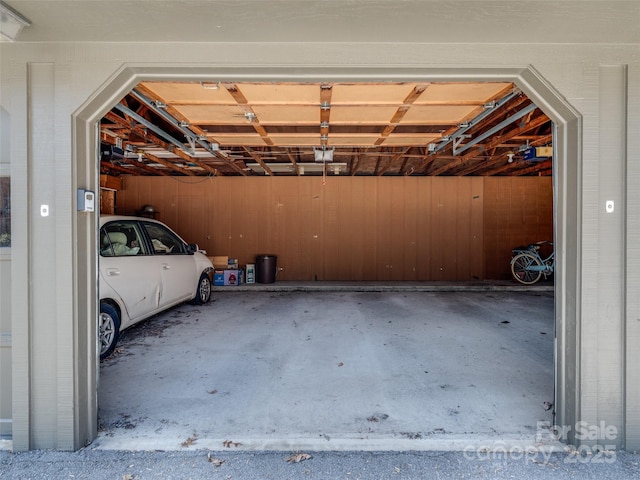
266	268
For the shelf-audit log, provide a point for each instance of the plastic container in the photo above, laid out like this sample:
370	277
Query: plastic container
266	268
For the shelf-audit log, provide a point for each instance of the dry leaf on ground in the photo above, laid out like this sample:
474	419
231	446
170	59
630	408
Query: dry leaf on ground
298	457
229	444
216	461
190	441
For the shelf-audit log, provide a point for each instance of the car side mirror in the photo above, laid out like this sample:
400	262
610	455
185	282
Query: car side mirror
192	248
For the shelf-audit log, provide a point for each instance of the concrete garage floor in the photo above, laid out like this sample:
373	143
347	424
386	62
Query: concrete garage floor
334	370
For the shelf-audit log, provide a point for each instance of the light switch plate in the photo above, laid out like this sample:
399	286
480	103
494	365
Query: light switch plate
609	206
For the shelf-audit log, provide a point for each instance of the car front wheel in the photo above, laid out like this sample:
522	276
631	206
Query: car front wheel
108	329
203	292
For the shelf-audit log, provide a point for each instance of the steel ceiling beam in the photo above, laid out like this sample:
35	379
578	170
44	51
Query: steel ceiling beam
143	121
490	110
191	136
496	129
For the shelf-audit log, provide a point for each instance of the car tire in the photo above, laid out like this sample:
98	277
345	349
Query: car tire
203	292
108	329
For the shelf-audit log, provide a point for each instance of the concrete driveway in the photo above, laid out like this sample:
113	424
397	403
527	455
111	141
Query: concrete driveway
333	370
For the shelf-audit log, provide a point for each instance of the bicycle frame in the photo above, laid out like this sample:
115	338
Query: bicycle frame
545	267
534	249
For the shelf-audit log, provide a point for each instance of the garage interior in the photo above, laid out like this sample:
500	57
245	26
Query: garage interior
404	184
343	181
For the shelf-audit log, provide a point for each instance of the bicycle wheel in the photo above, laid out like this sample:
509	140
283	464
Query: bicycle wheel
520	270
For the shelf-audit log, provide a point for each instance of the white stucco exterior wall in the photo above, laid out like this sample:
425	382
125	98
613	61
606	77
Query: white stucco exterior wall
42	85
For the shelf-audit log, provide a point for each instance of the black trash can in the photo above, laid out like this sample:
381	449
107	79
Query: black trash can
266	268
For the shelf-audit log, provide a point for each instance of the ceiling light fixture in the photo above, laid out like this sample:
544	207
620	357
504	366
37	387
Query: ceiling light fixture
210	86
11	23
303	168
274	167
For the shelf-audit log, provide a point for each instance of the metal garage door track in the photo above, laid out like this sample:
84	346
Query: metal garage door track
334	370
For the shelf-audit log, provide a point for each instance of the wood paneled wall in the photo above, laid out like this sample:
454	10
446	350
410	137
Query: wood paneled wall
517	211
355	228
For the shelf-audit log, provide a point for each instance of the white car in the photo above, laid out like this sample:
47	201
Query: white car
145	268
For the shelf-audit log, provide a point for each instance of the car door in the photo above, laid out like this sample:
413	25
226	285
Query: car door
176	266
127	266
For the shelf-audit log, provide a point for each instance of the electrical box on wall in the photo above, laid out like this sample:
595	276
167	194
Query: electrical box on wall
86	200
537	153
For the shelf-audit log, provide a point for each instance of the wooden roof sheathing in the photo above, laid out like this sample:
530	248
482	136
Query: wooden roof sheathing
421	125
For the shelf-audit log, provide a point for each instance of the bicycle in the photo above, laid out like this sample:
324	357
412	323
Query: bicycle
527	266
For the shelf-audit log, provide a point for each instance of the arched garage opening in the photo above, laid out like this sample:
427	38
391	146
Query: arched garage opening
565	187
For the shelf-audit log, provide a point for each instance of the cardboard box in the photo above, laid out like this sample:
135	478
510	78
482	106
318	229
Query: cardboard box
218	278
232	263
220	261
232	277
250	273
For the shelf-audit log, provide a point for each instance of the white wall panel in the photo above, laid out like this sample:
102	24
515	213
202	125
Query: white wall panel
605	340
5	289
5	345
42	259
632	267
